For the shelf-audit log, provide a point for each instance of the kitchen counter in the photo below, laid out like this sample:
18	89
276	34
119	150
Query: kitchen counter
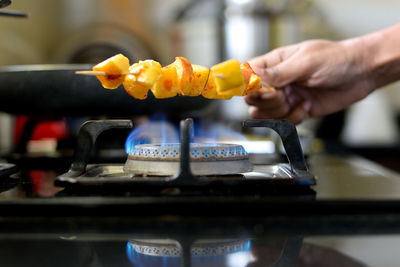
353	196
349	177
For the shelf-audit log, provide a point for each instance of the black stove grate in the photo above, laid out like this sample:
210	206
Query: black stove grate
278	179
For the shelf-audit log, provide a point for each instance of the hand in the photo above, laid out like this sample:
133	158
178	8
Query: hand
315	78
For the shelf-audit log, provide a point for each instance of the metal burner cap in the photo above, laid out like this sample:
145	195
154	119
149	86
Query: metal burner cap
205	159
198	152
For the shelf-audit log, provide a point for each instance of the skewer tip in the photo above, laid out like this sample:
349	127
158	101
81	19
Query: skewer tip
219	76
265	84
90	73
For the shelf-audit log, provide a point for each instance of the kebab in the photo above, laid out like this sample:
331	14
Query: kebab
221	81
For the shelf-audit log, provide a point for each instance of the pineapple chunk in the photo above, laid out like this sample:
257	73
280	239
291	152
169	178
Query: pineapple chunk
184	73
200	77
229	77
146	72
134	88
210	90
167	84
115	67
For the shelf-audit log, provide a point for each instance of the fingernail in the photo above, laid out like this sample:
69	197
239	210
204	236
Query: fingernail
266	96
307	106
252	110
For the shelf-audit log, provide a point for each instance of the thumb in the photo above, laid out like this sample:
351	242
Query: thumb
284	73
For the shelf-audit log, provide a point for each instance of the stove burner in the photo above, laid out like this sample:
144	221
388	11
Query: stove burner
205	159
290	178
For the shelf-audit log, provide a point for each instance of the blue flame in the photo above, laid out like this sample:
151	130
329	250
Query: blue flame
130	252
216	132
152	132
159	131
248	246
134	139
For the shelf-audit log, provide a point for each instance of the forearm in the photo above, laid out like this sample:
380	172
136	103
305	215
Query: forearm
380	53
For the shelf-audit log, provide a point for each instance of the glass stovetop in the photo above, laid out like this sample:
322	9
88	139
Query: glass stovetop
339	178
353	251
351	220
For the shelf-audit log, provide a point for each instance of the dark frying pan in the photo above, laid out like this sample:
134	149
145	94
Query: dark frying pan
57	90
4	3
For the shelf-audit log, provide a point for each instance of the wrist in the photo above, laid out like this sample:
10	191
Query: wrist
360	64
380	56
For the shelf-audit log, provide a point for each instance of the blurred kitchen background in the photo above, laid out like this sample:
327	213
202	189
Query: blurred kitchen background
206	32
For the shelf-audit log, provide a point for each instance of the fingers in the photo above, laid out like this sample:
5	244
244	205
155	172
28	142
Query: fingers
273	58
300	112
262	93
287	72
266	100
271	68
278	105
297	115
267	106
282	66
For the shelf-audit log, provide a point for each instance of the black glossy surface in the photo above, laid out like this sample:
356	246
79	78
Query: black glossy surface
353	197
348	188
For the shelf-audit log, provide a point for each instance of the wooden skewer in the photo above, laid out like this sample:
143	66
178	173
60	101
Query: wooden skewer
102	73
91	73
98	73
265	84
219	76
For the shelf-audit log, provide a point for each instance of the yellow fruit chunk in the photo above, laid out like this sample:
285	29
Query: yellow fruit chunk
237	91
229	77
115	67
134	88
167	84
141	78
146	72
253	82
246	71
200	77
210	90
184	72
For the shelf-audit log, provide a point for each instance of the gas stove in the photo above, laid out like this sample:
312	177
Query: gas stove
145	213
186	168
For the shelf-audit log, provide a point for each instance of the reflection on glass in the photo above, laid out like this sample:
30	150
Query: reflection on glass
170	253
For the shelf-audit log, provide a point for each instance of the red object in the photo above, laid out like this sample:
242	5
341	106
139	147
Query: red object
46	129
